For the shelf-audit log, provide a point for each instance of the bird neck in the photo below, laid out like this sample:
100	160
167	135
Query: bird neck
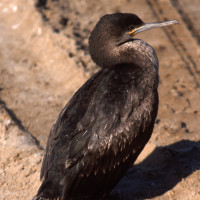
131	52
134	51
138	52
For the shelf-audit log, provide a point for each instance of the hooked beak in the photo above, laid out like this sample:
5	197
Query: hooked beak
148	26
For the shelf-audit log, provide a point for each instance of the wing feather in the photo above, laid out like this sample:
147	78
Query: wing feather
92	134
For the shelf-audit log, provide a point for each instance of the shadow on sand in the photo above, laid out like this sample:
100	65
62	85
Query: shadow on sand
159	172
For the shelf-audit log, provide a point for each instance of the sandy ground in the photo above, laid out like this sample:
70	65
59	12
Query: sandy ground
44	59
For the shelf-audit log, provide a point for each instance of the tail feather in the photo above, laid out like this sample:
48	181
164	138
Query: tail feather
48	191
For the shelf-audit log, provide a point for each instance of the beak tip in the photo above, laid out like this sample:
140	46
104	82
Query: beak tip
176	21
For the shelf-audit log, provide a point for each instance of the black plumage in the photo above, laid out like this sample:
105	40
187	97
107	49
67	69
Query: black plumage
104	127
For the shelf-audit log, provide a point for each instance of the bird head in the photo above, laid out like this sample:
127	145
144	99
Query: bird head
114	30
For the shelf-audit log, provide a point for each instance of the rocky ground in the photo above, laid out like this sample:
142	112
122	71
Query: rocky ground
44	59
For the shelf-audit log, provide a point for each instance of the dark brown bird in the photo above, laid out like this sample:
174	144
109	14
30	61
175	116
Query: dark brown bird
104	127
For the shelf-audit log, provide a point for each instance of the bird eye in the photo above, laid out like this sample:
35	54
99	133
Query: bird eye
131	27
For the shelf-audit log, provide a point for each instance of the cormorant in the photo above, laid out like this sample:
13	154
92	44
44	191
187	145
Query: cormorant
104	127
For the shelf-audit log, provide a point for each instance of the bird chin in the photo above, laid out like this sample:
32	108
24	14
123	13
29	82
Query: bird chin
126	41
